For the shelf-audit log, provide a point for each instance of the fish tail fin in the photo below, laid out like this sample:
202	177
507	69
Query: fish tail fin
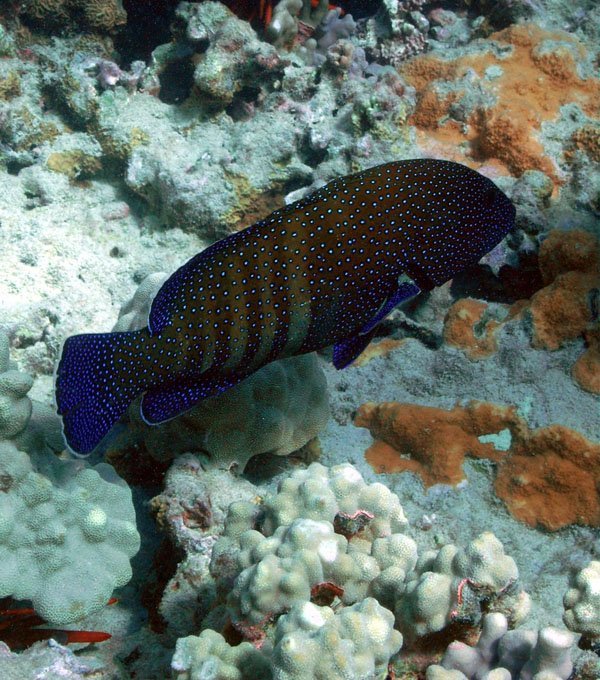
92	392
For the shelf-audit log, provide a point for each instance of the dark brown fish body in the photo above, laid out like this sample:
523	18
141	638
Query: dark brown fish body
323	271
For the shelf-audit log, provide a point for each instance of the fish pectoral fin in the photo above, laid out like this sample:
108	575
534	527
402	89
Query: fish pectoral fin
165	402
405	289
345	351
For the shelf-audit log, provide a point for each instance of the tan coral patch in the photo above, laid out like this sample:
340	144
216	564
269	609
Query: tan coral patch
586	370
550	479
431	442
460	325
534	84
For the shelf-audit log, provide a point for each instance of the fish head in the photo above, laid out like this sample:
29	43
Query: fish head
460	216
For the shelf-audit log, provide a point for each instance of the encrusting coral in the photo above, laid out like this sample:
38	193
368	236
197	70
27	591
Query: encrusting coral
570	267
546	476
221	72
430	441
103	16
496	99
562	310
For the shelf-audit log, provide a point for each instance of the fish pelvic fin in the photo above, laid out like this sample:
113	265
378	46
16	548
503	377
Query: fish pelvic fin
93	389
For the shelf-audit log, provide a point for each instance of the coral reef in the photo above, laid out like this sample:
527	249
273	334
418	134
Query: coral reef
220	71
210	653
46	659
326	538
191	510
582	603
433	442
562	310
309	642
397	31
294	18
495	99
67	531
569	264
66	535
113	168
102	16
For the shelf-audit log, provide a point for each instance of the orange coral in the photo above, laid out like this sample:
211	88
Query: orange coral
586	370
561	311
430	441
467	328
550	479
564	309
547	477
568	251
533	82
507	138
586	139
569	263
377	349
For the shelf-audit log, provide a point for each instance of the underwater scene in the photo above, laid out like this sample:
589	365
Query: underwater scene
300	340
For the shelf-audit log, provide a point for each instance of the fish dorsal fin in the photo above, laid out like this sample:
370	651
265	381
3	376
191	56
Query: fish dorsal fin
170	295
323	193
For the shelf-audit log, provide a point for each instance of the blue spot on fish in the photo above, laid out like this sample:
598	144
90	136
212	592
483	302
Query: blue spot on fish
322	271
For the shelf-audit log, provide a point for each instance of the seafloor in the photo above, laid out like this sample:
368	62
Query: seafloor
134	134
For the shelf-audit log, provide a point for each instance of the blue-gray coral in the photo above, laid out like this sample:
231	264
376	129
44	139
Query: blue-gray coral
67	531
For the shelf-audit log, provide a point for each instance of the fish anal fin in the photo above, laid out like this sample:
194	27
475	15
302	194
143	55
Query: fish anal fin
165	402
346	351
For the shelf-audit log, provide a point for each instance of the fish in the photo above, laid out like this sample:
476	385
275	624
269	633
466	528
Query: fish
322	271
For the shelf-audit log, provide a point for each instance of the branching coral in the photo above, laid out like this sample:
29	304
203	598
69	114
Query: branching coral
501	654
292	18
582	604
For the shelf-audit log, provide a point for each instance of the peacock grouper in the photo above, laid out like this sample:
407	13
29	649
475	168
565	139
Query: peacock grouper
322	271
